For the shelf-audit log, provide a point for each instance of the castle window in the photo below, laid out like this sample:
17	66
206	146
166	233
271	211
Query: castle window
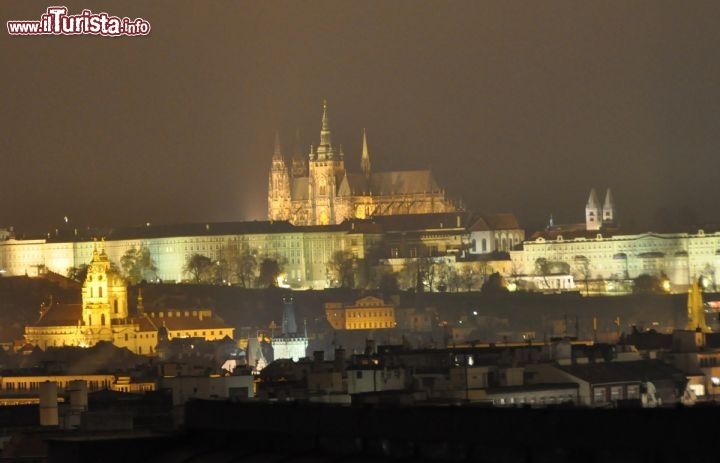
484	245
115	304
100	291
102	319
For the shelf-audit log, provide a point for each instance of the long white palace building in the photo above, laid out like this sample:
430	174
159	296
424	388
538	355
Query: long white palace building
600	250
305	251
596	249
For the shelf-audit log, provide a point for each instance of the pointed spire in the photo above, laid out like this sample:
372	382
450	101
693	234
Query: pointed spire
277	154
609	208
592	200
325	132
609	203
365	159
593	214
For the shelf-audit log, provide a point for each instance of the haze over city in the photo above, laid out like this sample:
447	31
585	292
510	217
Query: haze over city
516	106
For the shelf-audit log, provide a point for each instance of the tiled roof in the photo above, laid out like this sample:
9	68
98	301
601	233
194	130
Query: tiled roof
611	372
430	221
502	221
402	183
186	323
61	315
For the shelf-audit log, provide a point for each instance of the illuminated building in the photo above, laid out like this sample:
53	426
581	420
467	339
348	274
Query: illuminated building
290	344
326	193
304	251
103	316
612	255
365	314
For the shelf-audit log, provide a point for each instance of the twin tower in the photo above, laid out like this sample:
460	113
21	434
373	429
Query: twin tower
597	217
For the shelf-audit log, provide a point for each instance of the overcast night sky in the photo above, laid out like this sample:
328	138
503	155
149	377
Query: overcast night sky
518	106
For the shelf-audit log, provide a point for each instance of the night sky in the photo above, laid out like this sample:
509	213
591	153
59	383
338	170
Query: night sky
518	106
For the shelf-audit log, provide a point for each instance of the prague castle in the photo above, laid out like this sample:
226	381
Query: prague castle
323	192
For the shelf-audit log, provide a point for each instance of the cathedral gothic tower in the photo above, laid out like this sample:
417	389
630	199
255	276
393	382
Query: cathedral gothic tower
327	169
278	186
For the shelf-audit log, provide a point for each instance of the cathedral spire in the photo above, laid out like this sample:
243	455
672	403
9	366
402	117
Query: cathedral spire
277	153
325	132
365	160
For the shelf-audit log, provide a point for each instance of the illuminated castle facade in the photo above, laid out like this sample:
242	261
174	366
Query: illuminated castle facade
323	192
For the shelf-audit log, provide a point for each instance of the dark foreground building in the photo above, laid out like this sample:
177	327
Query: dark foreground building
219	431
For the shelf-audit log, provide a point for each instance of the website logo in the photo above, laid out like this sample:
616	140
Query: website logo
57	22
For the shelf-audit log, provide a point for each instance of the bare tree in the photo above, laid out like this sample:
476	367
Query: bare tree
342	268
138	265
200	268
583	270
542	268
270	269
239	264
468	277
78	273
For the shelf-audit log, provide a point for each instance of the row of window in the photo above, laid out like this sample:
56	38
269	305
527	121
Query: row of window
35	385
604	394
369	325
384	313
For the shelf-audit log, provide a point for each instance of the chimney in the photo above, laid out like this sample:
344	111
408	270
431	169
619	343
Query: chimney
370	347
339	365
48	404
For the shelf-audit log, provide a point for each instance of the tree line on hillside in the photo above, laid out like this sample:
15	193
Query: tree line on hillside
247	268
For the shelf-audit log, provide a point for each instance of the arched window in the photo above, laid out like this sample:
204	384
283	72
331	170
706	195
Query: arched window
115	304
484	245
102	319
100	291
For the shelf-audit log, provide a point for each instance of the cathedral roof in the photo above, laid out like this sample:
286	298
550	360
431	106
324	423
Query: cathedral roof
429	221
185	323
501	221
390	183
60	315
402	182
